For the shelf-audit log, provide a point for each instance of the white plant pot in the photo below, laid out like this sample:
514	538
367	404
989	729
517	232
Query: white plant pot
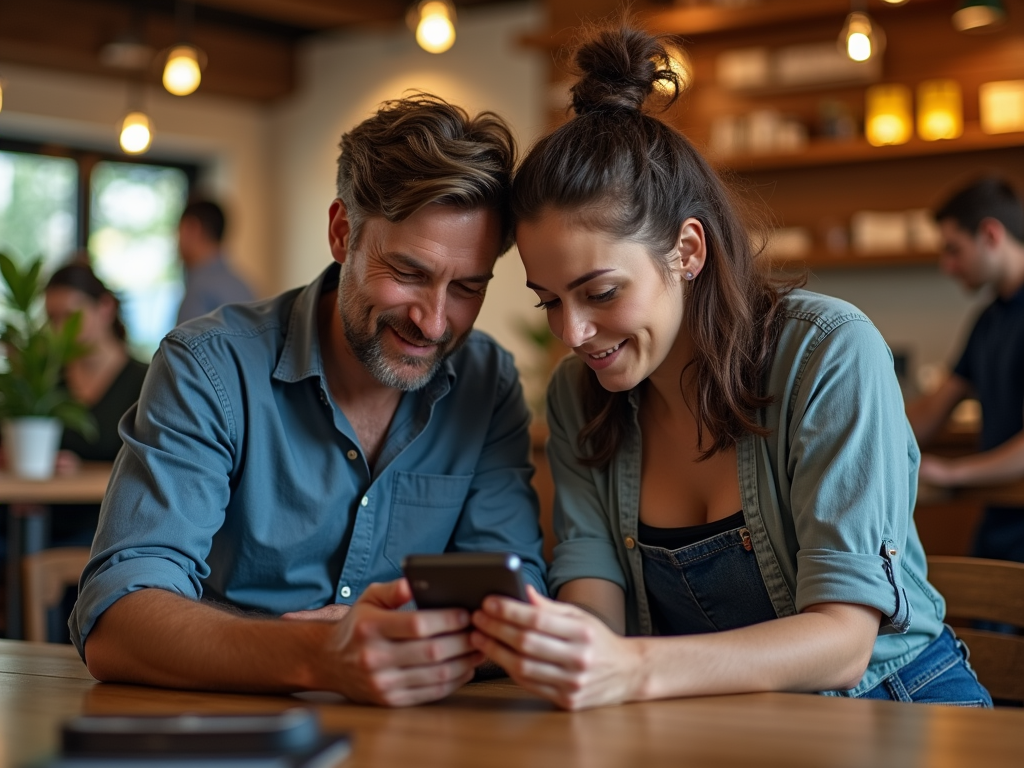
31	445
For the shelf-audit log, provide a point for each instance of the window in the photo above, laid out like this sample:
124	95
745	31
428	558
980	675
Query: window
38	201
133	226
122	212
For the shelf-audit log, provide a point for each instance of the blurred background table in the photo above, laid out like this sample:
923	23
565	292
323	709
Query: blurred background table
498	724
27	516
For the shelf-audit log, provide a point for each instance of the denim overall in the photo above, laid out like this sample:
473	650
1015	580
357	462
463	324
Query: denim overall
715	585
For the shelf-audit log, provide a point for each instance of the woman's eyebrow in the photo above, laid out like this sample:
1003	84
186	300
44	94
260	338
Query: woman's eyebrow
575	283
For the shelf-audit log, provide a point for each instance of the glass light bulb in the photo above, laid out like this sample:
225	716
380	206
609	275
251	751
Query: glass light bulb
858	46
181	73
136	133
435	31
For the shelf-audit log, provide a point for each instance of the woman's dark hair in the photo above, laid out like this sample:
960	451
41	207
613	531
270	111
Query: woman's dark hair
617	169
81	278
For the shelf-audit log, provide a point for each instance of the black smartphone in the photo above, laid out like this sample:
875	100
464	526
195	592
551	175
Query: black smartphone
463	579
291	731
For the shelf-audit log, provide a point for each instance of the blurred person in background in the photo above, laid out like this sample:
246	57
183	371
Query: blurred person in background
107	380
982	229
209	280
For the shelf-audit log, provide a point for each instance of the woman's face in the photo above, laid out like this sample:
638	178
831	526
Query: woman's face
607	298
62	302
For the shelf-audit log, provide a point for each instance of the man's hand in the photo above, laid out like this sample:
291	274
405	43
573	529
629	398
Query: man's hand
397	658
333	612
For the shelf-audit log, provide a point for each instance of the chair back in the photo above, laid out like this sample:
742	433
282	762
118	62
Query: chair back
46	575
987	590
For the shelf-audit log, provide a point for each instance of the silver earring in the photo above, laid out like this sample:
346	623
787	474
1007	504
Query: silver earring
689	275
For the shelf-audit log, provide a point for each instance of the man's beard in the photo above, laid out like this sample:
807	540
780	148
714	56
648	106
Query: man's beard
366	339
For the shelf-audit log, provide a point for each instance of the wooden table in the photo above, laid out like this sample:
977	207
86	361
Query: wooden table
496	724
27	512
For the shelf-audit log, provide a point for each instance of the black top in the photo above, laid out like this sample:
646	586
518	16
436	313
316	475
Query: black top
993	362
122	393
674	538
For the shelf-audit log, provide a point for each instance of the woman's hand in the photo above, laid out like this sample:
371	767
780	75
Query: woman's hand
67	463
558	651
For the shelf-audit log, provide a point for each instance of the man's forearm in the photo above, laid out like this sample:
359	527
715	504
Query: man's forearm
159	638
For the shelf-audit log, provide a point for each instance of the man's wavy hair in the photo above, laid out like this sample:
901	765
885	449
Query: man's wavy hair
420	150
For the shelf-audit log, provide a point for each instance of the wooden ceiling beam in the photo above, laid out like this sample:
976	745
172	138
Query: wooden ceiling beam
317	14
69	34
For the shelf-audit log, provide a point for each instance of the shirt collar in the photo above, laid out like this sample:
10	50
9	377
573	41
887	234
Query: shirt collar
302	357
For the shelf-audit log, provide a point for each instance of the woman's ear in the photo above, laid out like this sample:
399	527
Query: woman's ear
691	250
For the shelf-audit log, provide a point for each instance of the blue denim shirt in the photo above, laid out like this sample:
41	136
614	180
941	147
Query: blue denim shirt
828	496
241	481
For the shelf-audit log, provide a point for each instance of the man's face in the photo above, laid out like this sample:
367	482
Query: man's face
966	257
410	292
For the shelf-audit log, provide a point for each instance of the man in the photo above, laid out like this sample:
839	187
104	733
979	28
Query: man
209	281
983	247
286	455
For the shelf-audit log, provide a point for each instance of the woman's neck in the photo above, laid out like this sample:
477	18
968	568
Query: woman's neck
90	376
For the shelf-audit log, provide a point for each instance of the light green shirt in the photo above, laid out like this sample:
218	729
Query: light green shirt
828	496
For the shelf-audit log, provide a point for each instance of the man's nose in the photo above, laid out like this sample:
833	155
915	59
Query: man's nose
428	313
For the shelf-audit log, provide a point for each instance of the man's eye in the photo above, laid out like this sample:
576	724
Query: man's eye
469	291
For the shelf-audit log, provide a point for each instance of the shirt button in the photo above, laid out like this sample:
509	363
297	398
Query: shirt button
892	552
630	543
364	501
353	455
346	591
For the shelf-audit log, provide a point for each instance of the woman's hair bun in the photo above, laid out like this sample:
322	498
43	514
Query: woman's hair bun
618	69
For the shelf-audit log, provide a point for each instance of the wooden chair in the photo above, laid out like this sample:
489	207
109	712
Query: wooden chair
987	590
46	575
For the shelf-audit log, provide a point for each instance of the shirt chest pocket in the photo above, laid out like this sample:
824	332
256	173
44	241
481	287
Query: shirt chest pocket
424	512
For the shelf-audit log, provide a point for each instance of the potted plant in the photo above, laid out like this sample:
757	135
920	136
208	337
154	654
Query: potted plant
34	405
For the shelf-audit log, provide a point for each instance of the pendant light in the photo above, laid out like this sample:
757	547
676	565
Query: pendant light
979	15
136	133
136	128
434	22
861	37
183	70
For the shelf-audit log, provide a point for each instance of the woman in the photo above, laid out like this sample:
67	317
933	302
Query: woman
107	380
734	472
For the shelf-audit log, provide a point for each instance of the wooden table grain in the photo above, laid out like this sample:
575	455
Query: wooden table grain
498	725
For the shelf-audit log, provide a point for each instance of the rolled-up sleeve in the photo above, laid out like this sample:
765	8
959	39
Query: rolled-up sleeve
168	491
852	465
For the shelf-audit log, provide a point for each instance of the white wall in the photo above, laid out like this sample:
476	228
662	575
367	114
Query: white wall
230	138
345	77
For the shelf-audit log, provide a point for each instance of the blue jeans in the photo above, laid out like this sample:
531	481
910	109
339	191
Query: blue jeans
939	675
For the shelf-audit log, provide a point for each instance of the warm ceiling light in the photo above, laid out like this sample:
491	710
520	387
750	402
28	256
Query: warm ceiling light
136	133
183	71
861	38
680	65
979	15
895	2
435	25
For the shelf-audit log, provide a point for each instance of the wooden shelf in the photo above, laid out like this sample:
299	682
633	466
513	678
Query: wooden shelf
842	152
696	20
851	260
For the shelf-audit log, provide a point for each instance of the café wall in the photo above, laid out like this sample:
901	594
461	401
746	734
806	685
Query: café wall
274	165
